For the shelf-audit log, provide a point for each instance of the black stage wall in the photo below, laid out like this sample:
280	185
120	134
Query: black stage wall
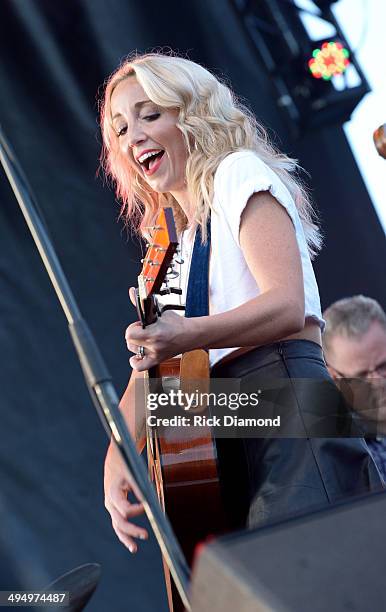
55	55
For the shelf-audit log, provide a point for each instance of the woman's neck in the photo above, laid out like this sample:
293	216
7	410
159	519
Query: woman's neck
182	199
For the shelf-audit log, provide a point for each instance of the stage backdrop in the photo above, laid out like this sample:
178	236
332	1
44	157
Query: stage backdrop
55	56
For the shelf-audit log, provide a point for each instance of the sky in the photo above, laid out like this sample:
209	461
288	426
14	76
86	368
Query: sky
363	23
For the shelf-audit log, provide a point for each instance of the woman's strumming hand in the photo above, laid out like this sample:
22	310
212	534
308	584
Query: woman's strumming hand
117	485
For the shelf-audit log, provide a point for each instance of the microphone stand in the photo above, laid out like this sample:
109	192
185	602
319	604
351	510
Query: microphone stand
97	377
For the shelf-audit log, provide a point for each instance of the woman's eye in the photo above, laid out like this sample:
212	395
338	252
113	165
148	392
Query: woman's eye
152	117
121	131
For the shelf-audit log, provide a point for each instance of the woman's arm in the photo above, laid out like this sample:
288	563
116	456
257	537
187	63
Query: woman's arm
269	245
133	409
117	483
268	241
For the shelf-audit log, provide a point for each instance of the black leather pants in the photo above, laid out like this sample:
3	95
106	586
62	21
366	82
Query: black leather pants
287	476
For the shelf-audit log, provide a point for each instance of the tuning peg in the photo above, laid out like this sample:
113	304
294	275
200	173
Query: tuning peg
172	307
179	261
154	228
172	274
171	290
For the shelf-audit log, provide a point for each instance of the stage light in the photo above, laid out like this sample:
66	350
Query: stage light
380	140
315	75
328	61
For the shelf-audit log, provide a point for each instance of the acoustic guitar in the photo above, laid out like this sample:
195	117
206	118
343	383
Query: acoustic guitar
182	460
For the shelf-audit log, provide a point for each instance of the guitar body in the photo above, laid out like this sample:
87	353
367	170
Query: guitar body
183	465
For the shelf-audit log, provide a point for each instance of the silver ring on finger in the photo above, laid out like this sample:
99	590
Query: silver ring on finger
141	352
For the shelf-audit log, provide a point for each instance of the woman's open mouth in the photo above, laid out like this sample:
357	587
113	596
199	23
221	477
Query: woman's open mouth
152	163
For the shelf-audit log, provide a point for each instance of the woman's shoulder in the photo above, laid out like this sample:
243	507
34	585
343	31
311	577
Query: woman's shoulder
241	174
243	170
238	158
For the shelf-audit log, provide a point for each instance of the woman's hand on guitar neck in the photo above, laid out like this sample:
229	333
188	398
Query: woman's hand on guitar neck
169	336
117	485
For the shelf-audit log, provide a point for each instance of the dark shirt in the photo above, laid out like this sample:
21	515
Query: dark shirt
377	448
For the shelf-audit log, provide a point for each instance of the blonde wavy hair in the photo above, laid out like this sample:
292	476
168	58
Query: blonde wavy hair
213	122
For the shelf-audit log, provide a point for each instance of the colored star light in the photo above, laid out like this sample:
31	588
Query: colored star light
328	61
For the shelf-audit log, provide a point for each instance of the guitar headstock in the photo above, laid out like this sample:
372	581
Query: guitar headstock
159	254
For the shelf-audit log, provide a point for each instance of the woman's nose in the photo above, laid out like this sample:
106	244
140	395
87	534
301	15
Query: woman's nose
135	136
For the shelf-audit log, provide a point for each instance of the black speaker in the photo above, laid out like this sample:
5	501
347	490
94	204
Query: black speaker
80	582
332	560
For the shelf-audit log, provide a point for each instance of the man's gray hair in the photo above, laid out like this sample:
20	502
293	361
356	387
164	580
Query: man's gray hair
351	317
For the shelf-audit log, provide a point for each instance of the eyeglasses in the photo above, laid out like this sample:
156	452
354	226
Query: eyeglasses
379	370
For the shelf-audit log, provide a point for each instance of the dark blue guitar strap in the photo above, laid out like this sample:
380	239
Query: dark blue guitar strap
197	294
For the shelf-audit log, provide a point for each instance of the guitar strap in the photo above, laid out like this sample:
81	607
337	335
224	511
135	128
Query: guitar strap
197	293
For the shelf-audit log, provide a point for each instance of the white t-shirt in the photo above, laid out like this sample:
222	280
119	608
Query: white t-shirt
231	284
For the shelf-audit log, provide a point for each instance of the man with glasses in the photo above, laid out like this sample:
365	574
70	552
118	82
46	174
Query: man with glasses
354	343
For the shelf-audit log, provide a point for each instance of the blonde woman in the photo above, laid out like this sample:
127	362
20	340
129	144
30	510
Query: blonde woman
176	135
